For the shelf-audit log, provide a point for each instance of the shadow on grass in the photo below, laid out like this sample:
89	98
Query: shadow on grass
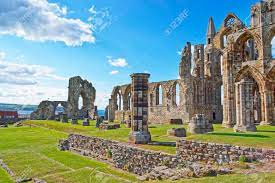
269	131
240	135
156	143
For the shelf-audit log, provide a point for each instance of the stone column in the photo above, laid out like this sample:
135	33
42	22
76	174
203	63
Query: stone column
111	110
266	108
244	104
139	122
229	98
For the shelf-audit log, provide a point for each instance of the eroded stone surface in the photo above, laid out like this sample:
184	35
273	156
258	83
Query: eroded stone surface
236	57
77	88
139	123
200	125
152	164
177	132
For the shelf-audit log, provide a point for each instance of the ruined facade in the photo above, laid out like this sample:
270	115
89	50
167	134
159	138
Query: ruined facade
81	88
237	58
179	100
248	68
77	88
46	109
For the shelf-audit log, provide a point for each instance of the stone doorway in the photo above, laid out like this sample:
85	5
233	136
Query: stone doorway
248	104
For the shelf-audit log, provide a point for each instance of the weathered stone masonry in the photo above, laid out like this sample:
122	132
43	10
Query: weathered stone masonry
212	152
123	156
140	161
77	88
237	57
197	92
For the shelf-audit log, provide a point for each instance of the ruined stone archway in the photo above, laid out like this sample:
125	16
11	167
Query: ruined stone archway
249	46
268	46
230	24
85	89
248	103
265	92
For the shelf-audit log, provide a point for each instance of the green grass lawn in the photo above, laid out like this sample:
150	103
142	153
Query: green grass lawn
264	137
32	152
4	177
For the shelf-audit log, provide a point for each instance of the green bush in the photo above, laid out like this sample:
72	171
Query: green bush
243	159
109	153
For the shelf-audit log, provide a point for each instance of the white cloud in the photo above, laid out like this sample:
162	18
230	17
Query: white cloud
114	72
2	55
39	20
102	100
27	83
92	10
119	62
25	74
31	94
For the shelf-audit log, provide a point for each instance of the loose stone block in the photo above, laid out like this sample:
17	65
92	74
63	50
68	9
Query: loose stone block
107	126
18	124
4	126
177	132
200	125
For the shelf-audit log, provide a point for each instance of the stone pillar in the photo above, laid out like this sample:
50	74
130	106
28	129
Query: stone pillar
106	113
229	98
140	133
244	104
267	115
111	110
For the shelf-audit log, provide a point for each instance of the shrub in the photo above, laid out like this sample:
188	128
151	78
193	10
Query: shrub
243	159
109	153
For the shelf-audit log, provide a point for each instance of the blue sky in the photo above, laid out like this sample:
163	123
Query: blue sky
104	41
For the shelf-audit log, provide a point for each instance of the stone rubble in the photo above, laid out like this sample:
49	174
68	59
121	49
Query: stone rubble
193	159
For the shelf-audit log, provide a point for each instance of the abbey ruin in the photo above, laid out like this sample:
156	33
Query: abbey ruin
236	61
77	88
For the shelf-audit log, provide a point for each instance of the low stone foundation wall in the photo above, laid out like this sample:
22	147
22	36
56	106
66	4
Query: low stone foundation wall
190	155
123	156
221	153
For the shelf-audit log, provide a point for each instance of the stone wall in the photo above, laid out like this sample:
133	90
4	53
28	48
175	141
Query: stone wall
77	88
141	161
212	152
46	110
165	108
123	156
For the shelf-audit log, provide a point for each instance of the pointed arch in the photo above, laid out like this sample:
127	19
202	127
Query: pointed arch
249	44
254	73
